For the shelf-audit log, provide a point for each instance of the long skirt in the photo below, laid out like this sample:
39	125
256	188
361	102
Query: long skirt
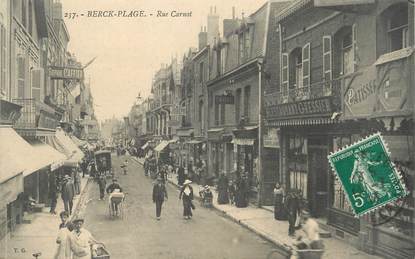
279	210
187	207
223	196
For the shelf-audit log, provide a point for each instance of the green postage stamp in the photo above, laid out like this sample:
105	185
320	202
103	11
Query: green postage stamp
369	178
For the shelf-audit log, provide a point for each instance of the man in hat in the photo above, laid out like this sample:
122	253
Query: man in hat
159	194
67	194
115	190
83	240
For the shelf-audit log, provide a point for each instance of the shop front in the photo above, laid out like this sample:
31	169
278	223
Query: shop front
246	156
387	109
220	153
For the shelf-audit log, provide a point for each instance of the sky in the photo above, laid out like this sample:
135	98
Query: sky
130	50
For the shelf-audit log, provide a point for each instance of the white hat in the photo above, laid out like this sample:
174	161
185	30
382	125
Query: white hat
187	182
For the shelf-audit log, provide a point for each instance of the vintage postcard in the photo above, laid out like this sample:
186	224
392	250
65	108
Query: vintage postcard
191	129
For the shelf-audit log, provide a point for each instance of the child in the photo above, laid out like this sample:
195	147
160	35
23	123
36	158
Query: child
64	218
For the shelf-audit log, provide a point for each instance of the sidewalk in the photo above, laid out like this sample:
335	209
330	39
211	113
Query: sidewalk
261	221
39	235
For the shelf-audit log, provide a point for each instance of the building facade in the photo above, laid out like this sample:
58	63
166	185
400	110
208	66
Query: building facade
341	75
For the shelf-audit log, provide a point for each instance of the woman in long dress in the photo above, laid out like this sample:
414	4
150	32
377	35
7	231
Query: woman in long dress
279	202
186	193
223	195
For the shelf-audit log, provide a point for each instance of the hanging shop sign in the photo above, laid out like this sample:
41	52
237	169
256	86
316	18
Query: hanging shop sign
360	93
224	99
47	120
271	139
66	73
316	106
9	112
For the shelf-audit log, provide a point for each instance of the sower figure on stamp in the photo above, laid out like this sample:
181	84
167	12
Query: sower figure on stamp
361	174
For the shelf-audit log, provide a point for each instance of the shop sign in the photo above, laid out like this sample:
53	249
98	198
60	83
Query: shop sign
360	93
66	73
224	99
271	139
316	106
47	121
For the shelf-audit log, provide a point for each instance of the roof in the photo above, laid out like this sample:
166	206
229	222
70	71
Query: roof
290	9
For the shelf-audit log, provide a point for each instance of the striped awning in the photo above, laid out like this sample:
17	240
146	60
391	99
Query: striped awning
243	141
299	122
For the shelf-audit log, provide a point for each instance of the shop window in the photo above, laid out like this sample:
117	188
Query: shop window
297	164
397	22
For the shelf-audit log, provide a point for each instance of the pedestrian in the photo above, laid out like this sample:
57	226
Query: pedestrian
92	169
186	194
124	166
84	167
242	191
82	240
53	195
223	194
232	192
77	181
64	238
67	194
159	196
101	184
279	211
64	219
292	205
180	175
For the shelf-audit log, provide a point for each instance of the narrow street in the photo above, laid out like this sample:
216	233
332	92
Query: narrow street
140	235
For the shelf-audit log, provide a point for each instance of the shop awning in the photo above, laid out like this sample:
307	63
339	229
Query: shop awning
300	122
48	155
162	145
78	142
14	152
243	141
195	141
65	145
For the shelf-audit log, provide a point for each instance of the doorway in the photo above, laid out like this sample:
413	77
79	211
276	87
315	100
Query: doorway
318	175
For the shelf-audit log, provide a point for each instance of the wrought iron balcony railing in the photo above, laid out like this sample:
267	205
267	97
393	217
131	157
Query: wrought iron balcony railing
30	113
313	91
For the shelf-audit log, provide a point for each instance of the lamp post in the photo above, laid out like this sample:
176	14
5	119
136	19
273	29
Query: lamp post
260	64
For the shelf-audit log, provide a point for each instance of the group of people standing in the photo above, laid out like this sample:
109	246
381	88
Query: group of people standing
233	192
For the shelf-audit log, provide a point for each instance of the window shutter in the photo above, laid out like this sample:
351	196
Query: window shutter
37	83
284	74
354	46
20	77
327	64
306	65
3	58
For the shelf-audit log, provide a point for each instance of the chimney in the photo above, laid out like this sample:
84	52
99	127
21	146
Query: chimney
212	26
229	25
202	38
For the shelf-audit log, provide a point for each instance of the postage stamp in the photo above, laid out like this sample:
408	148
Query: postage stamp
369	178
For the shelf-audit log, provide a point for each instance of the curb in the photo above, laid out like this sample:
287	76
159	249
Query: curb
81	200
284	250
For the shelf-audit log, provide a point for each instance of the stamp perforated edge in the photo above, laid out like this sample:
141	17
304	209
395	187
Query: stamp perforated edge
393	166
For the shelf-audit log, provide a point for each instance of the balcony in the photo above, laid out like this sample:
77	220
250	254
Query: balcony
322	97
37	118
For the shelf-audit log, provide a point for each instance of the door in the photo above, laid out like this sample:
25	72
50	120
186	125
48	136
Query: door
318	178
